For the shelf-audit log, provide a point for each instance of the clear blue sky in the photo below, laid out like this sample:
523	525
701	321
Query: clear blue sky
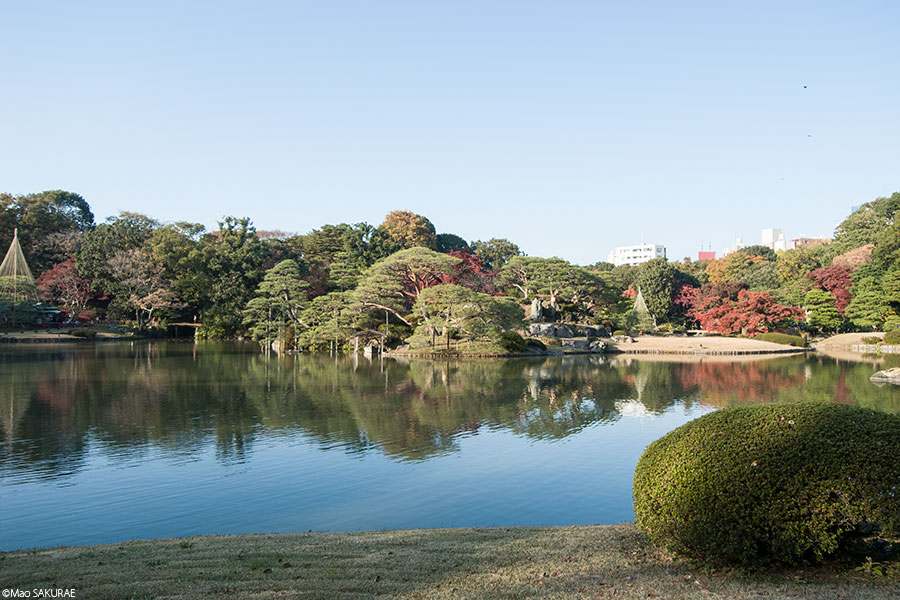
567	127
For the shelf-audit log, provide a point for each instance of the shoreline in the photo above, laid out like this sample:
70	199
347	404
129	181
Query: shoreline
59	335
708	346
605	561
644	345
65	340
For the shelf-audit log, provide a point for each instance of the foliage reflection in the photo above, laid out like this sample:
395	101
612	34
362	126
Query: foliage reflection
124	399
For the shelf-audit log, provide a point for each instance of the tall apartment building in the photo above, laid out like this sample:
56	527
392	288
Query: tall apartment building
774	239
636	255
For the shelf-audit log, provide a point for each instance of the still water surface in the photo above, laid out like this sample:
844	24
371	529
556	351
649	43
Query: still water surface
110	442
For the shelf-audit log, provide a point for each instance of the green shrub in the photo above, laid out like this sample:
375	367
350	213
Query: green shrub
891	323
782	338
569	308
892	338
396	332
751	485
669	329
512	341
620	332
871	339
533	343
212	328
83	333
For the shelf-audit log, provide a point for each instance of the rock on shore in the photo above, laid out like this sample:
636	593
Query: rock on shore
566	330
888	376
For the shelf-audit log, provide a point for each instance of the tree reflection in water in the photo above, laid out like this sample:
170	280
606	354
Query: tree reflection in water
124	398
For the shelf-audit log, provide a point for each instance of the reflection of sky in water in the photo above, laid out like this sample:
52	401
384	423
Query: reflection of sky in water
495	477
226	443
633	409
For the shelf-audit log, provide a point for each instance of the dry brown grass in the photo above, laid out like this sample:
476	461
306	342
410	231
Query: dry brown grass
614	561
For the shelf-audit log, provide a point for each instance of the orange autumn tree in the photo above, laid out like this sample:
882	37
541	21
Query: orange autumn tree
733	267
408	230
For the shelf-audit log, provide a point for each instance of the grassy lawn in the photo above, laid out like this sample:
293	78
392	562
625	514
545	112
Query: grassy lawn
613	561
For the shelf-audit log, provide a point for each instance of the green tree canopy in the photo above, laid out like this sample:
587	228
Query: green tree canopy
230	263
128	231
452	311
794	264
866	223
448	242
656	281
762	276
821	312
551	278
337	254
38	217
495	252
329	319
867	309
887	248
763	251
394	283
279	302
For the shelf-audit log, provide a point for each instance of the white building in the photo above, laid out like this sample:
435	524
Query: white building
636	255
770	238
774	239
732	249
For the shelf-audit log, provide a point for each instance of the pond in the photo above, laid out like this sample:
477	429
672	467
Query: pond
116	441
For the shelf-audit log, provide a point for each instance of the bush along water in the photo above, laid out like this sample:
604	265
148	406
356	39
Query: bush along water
753	485
782	338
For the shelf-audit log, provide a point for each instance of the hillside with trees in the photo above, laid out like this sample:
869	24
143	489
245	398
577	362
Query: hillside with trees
402	282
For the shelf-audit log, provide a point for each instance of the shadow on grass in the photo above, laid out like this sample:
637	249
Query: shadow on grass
574	562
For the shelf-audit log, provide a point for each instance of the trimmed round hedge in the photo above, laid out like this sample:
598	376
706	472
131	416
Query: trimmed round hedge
753	485
892	337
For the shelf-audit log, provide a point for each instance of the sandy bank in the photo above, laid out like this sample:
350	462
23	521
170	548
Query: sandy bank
844	341
710	345
60	334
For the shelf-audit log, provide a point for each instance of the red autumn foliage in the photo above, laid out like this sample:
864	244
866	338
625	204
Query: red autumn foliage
629	293
695	301
722	384
834	279
685	296
471	273
753	313
725	290
63	285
